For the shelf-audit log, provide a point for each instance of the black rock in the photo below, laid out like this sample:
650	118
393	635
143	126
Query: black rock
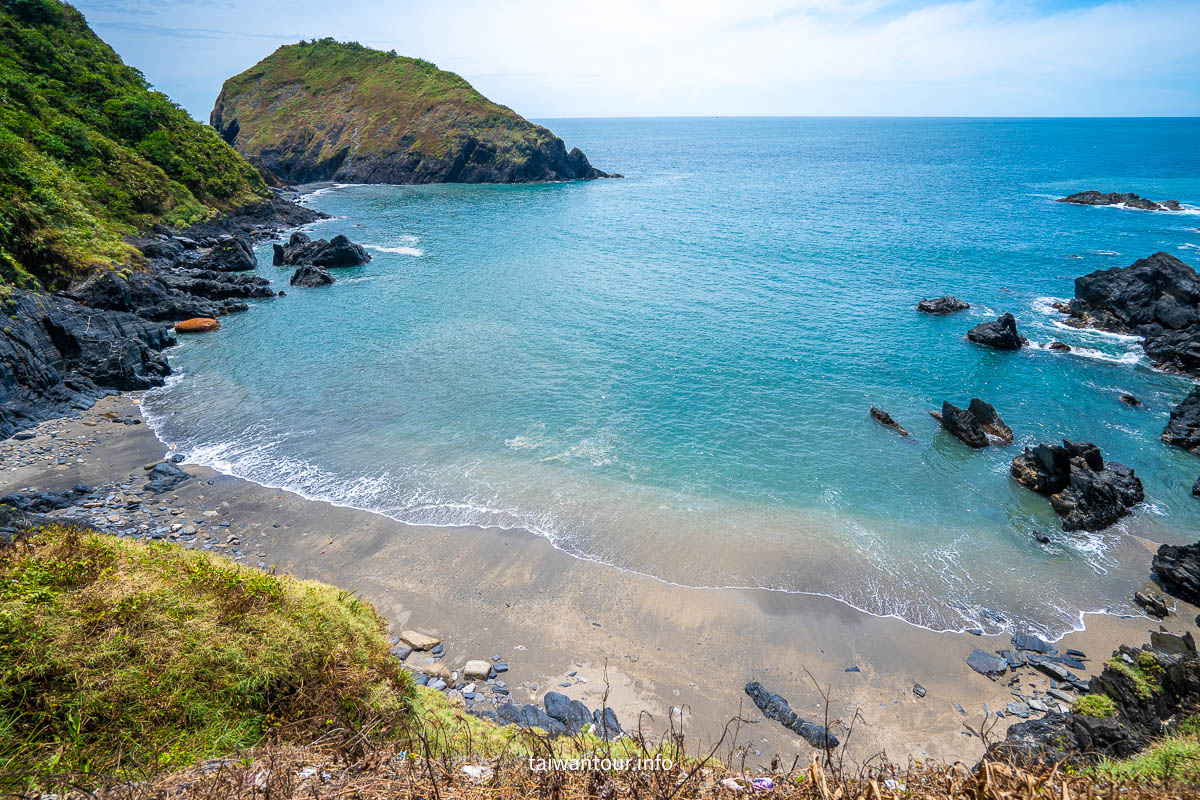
964	425
1094	198
1196	488
943	305
985	663
1001	334
339	252
989	420
45	502
775	707
1060	346
1183	429
1087	493
165	476
607	726
311	276
1130	400
884	418
918	690
1177	570
171	294
1154	604
1041	538
529	716
1031	643
573	714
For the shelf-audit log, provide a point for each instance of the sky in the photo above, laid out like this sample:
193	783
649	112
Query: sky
630	58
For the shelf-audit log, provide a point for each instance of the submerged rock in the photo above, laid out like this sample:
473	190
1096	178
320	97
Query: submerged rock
1092	197
1000	334
943	305
776	707
310	276
1176	568
1061	347
339	252
1084	491
884	418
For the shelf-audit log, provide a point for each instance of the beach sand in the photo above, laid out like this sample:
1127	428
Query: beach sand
656	646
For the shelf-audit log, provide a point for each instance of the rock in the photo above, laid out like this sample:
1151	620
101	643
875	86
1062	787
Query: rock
339	252
985	663
1041	538
1173	643
573	714
1130	400
476	670
197	325
918	690
964	425
1177	570
1032	644
45	502
1128	199
943	305
1196	488
1062	347
775	707
311	276
883	418
419	641
402	651
165	477
1155	606
1183	428
1000	334
171	292
606	724
58	356
1087	493
529	716
990	421
229	254
1157	298
438	670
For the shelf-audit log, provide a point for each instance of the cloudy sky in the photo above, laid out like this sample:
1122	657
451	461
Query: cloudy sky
594	58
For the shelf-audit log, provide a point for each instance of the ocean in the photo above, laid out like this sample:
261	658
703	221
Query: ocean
671	373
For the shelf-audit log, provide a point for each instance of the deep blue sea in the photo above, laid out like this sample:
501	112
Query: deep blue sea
671	373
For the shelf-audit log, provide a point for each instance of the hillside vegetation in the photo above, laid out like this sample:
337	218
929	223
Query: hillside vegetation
89	153
330	110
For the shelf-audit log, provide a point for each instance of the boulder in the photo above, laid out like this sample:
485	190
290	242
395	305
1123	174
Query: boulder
165	477
311	276
1092	197
338	252
573	714
1154	604
529	716
776	707
1000	334
884	418
1130	400
438	670
964	425
1061	347
229	254
1084	491
989	420
1176	568
1183	428
943	305
477	670
419	641
606	724
197	325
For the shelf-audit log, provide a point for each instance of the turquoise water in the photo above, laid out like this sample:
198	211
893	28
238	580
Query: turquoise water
671	373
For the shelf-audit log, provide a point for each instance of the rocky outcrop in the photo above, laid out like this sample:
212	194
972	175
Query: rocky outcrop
1183	428
1128	199
339	252
974	424
172	293
777	708
57	355
1157	298
310	276
1084	491
228	254
1177	571
562	717
884	418
1001	334
943	305
1149	691
327	110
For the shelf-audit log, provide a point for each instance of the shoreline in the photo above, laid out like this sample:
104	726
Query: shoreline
491	591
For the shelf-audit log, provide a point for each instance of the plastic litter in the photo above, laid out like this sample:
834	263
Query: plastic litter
477	773
763	783
733	785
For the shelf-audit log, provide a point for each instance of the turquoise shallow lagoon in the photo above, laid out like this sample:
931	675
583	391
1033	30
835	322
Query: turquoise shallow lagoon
671	373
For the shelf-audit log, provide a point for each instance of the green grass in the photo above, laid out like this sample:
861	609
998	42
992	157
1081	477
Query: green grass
119	656
89	153
1146	674
1172	760
1094	705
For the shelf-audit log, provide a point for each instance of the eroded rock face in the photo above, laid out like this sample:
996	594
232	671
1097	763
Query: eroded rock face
943	305
1177	570
1000	334
338	252
1183	429
1084	491
1094	198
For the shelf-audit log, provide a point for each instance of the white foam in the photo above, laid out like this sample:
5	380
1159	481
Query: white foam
403	250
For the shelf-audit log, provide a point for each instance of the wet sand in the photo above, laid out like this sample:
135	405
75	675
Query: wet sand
662	647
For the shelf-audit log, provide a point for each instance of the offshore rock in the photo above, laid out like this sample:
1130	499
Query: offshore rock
1128	199
1176	568
943	305
1000	334
340	252
1084	491
1183	428
311	276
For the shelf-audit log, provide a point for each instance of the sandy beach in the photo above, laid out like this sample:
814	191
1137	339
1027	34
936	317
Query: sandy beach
661	649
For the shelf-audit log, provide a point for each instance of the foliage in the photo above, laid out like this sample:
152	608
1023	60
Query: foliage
124	657
1146	674
89	153
1094	705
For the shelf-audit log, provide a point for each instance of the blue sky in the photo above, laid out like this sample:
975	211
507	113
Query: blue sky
581	58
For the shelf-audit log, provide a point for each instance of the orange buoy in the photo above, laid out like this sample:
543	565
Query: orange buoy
197	325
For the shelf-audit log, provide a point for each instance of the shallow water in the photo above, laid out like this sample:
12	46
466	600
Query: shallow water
671	373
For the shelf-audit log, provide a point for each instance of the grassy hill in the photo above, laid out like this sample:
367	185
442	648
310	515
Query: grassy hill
330	110
89	153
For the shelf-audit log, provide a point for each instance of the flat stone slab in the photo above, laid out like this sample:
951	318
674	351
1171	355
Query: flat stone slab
985	663
419	641
476	670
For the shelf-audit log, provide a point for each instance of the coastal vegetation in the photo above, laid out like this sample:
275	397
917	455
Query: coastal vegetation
89	153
